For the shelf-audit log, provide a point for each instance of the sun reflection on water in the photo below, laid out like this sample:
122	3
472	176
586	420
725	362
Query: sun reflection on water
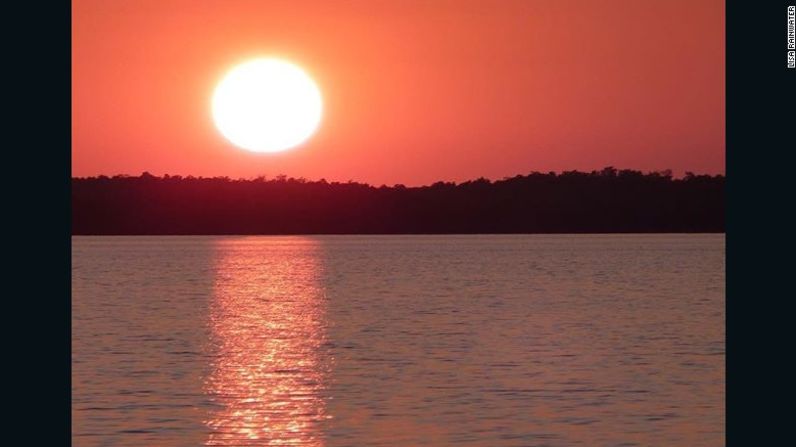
267	330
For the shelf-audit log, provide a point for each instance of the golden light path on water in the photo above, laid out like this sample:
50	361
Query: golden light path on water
267	327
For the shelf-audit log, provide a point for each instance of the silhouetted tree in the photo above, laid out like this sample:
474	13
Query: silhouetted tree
605	201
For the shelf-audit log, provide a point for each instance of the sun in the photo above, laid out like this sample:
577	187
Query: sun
267	105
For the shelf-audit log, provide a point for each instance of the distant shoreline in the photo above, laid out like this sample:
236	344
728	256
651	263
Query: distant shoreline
609	201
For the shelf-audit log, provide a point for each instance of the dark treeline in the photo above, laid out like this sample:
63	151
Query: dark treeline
607	201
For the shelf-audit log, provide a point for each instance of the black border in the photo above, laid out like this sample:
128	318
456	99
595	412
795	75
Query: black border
37	162
760	136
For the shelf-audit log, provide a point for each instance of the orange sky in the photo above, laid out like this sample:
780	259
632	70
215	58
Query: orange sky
414	91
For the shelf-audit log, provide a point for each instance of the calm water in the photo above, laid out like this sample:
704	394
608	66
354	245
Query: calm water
398	340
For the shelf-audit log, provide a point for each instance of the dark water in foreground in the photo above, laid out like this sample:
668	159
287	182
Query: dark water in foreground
398	340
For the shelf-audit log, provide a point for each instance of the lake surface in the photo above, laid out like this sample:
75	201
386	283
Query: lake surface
532	340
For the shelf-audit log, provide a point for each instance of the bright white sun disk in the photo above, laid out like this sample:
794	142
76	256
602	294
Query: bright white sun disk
267	105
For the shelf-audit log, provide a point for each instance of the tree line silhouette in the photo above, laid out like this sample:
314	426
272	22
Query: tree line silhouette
606	201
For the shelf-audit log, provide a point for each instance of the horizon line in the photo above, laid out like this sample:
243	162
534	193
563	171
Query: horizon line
283	177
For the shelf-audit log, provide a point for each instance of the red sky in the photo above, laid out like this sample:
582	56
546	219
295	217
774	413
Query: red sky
414	91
